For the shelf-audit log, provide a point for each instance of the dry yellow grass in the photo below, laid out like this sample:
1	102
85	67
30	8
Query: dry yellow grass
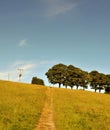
81	110
20	105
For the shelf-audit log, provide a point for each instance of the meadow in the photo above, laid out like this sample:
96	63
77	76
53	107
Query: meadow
81	110
20	105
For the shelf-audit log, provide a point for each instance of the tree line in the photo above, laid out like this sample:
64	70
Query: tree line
73	76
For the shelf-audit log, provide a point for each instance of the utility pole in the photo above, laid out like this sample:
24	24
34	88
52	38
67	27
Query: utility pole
8	76
20	74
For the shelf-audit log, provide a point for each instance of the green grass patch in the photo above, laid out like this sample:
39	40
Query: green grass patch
81	110
20	105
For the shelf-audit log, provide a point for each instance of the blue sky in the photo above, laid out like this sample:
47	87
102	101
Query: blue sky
37	34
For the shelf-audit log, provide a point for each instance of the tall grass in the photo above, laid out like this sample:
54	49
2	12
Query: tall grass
80	110
20	105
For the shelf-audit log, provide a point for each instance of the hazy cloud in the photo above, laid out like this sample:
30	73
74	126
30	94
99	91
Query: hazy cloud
3	74
8	75
22	43
23	64
28	66
13	70
30	69
56	7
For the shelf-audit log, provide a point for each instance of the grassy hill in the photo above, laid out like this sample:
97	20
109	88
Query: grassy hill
81	110
21	106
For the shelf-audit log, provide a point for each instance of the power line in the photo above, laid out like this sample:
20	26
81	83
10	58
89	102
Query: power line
8	76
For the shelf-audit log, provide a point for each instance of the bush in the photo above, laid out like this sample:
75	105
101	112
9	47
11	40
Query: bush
36	80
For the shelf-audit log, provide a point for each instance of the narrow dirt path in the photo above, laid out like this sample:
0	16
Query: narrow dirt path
46	120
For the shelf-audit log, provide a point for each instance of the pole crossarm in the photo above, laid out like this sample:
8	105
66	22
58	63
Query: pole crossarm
20	73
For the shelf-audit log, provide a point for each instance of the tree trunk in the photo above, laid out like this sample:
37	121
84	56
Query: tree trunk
77	87
71	87
83	88
59	85
99	90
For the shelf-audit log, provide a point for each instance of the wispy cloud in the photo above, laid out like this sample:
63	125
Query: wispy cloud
23	64
30	69
13	70
4	75
8	75
56	7
22	43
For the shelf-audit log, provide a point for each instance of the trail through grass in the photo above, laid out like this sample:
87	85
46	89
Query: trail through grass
20	105
46	121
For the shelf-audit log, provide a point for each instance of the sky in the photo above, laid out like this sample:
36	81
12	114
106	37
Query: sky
37	34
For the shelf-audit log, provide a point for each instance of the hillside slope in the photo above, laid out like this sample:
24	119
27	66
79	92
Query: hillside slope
20	105
81	110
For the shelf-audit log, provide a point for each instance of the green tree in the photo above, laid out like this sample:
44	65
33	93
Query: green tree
102	81
94	79
107	86
107	90
98	81
76	77
84	79
108	80
36	80
70	76
56	74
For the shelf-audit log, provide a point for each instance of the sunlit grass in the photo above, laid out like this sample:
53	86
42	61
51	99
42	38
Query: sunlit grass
80	110
20	105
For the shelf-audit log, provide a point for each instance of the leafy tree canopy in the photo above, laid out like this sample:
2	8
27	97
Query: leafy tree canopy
73	76
57	74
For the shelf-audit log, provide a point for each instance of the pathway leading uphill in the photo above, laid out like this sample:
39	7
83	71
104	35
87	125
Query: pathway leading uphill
46	120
